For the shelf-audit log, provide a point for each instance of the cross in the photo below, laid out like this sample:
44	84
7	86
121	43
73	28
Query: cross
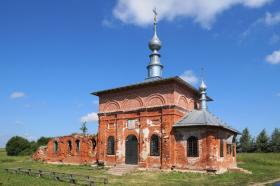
155	14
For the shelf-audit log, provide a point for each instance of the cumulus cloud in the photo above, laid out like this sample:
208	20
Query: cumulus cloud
273	58
189	77
139	12
91	117
272	19
17	95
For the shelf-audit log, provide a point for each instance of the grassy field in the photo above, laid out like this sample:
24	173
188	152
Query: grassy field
264	167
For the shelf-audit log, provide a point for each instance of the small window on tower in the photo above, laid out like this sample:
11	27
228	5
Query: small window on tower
192	147
228	148
221	148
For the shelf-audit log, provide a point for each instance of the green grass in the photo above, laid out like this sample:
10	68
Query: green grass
264	167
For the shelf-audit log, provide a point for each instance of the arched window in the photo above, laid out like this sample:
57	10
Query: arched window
77	146
55	146
111	145
69	145
221	148
154	145
192	147
93	142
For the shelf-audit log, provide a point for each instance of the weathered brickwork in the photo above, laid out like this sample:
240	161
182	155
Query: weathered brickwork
142	112
73	149
155	109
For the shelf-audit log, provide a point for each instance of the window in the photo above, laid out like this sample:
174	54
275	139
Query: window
228	148
77	146
154	145
221	148
55	146
69	144
111	145
192	147
93	142
233	150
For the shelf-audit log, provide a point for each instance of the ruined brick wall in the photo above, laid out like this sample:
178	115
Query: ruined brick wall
41	154
86	153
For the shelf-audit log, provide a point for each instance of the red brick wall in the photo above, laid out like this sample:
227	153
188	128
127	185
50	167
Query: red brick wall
86	154
156	108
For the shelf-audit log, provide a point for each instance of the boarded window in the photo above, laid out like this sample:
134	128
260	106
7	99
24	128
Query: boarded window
55	146
77	146
228	148
111	145
221	148
192	147
154	145
69	144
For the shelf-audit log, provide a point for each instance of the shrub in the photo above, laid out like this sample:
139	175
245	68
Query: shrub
17	145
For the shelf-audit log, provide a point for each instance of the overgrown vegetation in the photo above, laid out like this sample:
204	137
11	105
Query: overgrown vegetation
265	166
263	143
19	146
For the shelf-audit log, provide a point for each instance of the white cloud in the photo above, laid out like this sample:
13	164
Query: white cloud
16	95
190	77
272	19
91	117
278	94
139	12
273	58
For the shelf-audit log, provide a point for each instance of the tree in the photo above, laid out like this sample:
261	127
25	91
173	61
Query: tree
42	141
275	140
17	145
262	142
84	128
245	141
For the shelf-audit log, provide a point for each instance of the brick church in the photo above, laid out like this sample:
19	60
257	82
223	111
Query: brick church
157	123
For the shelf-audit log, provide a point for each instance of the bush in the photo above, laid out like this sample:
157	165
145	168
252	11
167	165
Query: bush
17	145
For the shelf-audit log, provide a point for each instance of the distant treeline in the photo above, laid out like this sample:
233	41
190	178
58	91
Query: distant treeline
262	143
19	146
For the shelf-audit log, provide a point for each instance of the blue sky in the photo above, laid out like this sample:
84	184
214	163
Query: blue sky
54	53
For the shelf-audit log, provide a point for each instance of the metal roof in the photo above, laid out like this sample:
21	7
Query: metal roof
203	118
150	82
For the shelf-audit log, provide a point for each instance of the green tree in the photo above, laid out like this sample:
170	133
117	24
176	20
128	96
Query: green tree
84	128
275	140
17	145
262	142
42	141
245	142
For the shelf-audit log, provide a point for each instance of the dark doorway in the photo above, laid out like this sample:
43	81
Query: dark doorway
131	150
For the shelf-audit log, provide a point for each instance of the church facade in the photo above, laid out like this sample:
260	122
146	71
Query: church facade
161	123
